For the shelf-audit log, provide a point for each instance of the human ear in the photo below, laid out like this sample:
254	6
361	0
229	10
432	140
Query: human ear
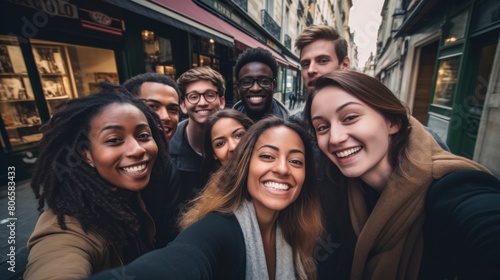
222	102
394	128
345	64
88	158
183	107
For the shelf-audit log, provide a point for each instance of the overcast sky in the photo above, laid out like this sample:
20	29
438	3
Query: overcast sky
364	20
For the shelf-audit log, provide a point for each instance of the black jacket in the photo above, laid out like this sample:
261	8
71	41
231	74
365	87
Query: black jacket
211	248
188	162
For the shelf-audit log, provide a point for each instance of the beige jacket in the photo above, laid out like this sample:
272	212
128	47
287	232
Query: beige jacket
72	253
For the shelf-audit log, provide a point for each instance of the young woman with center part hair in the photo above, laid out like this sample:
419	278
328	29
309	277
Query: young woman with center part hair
224	131
96	154
398	206
258	217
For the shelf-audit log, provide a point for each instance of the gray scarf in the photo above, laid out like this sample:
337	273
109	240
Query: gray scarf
256	267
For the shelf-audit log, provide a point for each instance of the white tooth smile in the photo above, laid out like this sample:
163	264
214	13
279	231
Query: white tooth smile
136	168
256	98
348	152
276	186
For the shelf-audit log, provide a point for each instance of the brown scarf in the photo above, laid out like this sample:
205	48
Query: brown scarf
390	240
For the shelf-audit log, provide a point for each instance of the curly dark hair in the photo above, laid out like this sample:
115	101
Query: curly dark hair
133	85
256	55
64	181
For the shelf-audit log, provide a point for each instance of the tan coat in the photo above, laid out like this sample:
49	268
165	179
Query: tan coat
72	253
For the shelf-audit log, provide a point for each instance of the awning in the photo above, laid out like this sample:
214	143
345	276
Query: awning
294	64
175	19
189	9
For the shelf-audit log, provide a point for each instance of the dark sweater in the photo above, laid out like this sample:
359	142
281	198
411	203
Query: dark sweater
211	248
188	162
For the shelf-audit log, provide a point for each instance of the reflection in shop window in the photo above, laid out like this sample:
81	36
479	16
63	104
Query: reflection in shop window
158	54
454	28
446	81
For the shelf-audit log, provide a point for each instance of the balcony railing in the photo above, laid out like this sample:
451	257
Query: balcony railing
288	42
270	25
242	4
309	19
300	9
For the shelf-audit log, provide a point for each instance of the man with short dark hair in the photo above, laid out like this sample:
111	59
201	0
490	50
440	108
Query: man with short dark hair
256	70
161	94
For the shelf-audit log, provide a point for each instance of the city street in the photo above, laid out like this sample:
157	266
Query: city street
27	216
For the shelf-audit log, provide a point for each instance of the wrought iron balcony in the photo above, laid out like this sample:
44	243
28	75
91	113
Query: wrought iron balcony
242	4
270	25
288	42
300	9
309	19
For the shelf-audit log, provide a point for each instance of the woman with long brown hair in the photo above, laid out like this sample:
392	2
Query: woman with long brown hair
397	205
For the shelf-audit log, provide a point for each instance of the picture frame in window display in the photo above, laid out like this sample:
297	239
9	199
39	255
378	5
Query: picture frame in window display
49	59
12	88
5	62
105	76
53	87
17	60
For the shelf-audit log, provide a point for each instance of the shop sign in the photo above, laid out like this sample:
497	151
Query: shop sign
101	22
52	7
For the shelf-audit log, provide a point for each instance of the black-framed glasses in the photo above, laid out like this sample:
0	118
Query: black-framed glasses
194	96
263	82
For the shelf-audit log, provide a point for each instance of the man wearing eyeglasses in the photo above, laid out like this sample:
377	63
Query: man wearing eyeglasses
256	70
202	94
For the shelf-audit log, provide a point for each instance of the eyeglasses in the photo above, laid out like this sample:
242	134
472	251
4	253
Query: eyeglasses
264	82
194	96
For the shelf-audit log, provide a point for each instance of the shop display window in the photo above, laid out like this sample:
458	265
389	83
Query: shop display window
66	71
17	102
69	71
446	81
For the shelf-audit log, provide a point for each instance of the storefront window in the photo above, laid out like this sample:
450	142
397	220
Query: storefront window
446	81
455	28
158	54
66	71
17	101
71	71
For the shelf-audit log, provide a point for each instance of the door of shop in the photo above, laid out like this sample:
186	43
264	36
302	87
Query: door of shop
483	54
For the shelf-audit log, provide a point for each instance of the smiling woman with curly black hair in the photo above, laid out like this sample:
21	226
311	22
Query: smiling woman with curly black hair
96	154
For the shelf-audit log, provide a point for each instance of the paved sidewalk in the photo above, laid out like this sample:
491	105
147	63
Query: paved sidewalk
21	228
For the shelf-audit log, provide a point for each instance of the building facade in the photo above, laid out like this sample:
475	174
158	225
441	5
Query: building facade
442	58
52	51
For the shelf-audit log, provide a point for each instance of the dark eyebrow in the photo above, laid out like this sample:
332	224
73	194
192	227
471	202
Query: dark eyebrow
269	146
339	108
239	128
277	149
119	127
347	104
150	100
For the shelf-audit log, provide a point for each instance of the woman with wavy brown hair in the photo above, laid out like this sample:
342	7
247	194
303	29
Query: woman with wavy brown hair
258	217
